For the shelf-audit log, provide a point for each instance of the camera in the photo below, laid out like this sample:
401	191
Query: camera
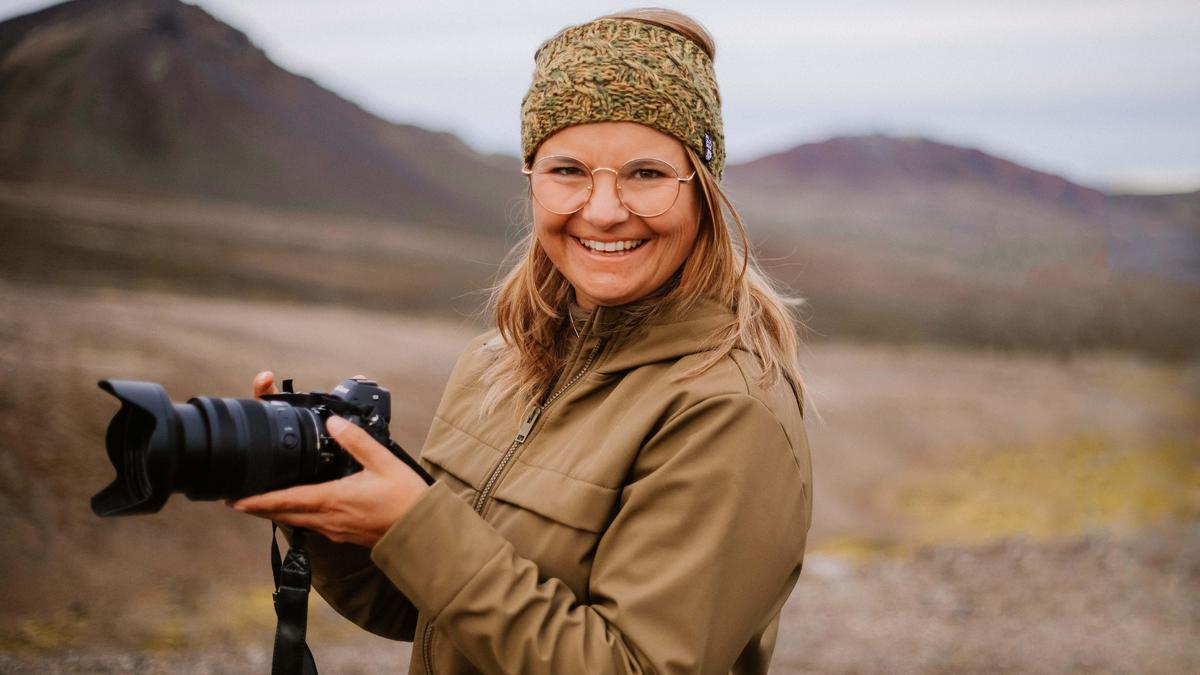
223	448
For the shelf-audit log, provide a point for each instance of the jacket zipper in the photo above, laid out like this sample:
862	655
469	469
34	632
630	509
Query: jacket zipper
494	477
524	430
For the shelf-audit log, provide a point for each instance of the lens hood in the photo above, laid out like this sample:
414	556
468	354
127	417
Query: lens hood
135	437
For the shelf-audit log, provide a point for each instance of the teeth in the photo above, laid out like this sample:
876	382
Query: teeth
612	245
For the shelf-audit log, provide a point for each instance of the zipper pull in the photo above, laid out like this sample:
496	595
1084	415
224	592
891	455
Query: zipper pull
527	425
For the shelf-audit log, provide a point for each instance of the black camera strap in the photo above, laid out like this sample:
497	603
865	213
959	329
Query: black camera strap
293	580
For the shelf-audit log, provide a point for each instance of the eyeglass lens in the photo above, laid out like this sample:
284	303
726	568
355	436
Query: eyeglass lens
647	187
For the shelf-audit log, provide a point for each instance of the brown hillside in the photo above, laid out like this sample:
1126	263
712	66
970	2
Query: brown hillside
864	160
907	239
159	96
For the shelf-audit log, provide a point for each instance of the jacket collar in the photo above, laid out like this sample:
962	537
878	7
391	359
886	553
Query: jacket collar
671	334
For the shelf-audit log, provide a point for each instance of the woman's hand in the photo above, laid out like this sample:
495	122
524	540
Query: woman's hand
264	383
357	509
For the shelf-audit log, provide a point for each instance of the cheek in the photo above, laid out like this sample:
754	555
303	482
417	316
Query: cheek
545	227
548	229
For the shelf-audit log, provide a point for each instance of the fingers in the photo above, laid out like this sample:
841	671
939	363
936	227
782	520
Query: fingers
312	521
359	444
298	499
317	521
264	383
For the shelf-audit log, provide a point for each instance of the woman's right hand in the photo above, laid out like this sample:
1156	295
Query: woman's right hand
264	383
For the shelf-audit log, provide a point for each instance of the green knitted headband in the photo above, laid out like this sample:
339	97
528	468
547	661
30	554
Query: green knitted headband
622	70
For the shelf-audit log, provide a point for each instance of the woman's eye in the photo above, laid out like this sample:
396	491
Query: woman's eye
647	174
566	171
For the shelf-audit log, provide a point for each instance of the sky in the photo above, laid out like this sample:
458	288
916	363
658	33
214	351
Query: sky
1103	92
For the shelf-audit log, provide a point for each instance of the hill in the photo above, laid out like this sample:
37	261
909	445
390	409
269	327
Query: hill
156	96
910	239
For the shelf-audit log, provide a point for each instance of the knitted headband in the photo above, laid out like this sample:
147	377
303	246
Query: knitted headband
622	70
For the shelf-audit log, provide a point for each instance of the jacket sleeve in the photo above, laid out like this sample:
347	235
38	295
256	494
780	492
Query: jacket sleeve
706	542
347	579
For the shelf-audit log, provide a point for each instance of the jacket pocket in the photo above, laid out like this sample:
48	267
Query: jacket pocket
561	498
468	463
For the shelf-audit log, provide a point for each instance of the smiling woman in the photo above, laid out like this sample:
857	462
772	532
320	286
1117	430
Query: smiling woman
610	254
623	477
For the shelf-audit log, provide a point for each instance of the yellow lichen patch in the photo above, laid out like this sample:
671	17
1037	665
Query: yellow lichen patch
248	611
43	635
857	548
1054	490
236	615
170	635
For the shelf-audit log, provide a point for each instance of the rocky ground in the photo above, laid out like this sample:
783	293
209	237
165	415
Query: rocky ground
975	511
1094	604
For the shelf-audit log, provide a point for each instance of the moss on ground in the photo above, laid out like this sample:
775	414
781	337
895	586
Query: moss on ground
1057	490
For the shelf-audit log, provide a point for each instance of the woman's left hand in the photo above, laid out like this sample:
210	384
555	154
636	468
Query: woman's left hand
357	509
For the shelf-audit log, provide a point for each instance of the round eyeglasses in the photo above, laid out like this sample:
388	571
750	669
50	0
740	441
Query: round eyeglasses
562	184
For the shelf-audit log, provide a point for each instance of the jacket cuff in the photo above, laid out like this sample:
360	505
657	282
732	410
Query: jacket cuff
436	548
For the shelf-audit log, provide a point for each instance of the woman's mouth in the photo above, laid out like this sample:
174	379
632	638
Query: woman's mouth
611	248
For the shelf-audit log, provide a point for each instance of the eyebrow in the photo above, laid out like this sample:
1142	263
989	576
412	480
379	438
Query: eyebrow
683	163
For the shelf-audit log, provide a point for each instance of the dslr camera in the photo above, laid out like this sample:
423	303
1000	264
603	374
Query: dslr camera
224	448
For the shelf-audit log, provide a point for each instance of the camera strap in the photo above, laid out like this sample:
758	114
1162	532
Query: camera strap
293	580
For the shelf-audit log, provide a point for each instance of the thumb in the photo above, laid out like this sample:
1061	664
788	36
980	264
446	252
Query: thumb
358	443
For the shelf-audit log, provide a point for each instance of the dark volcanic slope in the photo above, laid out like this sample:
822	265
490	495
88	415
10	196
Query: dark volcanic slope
156	95
861	160
961	207
900	238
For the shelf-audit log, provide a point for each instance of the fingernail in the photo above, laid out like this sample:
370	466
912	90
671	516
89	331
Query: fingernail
335	424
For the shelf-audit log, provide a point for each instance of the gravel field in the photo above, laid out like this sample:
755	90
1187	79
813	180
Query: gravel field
974	511
1089	605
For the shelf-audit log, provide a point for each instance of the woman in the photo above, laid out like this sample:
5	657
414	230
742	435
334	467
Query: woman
623	480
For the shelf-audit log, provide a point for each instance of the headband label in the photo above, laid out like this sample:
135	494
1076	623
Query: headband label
708	148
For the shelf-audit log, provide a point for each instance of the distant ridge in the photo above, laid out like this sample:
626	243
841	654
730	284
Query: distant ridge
862	160
957	204
159	96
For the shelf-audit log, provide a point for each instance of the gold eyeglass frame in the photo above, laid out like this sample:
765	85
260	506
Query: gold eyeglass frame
528	171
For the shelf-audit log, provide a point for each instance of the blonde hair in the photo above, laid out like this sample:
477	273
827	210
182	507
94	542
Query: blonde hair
531	302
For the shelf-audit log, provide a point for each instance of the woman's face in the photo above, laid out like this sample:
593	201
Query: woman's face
618	277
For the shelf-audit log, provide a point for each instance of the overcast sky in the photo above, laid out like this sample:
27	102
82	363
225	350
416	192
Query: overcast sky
1105	92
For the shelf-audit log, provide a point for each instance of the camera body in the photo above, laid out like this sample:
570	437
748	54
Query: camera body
222	448
360	401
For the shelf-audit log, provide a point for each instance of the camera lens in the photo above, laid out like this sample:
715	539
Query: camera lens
208	448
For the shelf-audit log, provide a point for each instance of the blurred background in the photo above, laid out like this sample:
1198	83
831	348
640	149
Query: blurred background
991	210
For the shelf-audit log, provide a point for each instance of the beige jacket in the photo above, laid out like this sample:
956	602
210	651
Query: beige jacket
629	525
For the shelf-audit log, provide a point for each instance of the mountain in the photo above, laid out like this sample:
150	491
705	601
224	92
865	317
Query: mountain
913	239
156	96
926	197
863	160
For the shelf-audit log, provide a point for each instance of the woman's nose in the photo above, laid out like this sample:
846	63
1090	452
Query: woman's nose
604	206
